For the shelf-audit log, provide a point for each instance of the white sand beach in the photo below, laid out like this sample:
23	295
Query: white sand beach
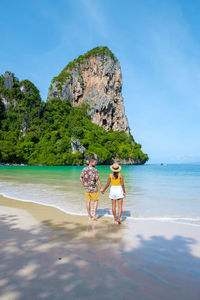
47	254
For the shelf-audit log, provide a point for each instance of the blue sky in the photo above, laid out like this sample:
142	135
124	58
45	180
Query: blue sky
158	46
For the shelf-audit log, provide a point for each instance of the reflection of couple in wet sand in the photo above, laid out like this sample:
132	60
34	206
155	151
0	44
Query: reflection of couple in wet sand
89	179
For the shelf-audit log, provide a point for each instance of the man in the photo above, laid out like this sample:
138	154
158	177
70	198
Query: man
89	178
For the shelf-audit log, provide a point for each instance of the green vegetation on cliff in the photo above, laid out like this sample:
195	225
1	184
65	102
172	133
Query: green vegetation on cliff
65	73
98	51
33	132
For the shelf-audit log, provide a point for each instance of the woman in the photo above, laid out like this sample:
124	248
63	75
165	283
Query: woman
117	190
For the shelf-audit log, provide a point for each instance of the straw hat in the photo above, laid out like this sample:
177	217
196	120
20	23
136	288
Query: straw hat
115	167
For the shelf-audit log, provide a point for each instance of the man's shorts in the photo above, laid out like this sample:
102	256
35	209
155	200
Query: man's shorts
92	196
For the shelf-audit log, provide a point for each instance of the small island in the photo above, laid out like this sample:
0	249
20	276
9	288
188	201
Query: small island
84	115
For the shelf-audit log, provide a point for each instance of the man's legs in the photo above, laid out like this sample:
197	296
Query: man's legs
88	205
95	210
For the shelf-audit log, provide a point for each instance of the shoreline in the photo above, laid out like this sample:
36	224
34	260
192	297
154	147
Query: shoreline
175	220
75	165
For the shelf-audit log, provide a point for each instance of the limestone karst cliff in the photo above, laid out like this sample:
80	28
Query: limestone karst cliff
95	78
61	131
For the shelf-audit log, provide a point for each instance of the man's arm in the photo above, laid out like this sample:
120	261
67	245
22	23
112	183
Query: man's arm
107	185
81	178
100	185
99	181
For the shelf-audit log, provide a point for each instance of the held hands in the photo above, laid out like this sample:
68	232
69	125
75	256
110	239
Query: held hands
102	191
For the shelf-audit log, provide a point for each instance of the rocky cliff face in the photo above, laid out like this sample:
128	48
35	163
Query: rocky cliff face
94	78
8	83
8	80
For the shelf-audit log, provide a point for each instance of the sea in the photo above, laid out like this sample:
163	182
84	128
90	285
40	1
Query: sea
164	192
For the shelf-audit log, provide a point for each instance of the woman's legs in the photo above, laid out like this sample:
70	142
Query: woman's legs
120	202
114	209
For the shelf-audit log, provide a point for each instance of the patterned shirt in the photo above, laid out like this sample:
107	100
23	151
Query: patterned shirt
90	176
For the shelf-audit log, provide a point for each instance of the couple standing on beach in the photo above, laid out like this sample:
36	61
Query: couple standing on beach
89	179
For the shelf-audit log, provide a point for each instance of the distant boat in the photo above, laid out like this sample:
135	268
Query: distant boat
162	164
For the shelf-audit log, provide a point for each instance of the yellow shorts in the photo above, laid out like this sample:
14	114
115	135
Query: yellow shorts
92	196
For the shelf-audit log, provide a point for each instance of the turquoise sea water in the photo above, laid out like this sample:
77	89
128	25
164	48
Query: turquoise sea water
163	192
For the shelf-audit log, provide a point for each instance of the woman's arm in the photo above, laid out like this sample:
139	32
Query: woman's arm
122	184
107	185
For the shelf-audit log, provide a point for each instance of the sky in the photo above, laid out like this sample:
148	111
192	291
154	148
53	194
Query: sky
157	43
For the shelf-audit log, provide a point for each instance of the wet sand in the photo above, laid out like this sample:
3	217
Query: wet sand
47	254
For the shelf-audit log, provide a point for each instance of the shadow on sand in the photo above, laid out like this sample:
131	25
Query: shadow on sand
74	261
